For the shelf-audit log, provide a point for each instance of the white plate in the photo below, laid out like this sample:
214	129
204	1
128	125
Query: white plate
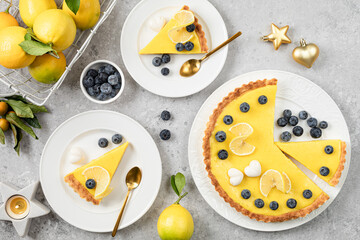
294	92
84	130
136	34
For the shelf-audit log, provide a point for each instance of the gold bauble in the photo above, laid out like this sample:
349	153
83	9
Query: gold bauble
306	54
277	36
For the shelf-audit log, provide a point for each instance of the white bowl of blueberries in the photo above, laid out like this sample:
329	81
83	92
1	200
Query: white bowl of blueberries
102	81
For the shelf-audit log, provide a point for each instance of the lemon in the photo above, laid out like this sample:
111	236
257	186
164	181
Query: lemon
48	69
184	18
175	223
30	9
7	20
241	129
241	148
55	27
87	15
101	177
11	54
287	182
270	179
179	35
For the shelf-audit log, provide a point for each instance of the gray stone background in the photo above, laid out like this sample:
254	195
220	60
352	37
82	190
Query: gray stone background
332	25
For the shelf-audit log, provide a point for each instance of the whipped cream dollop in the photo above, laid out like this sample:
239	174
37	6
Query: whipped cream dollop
156	23
254	169
236	176
76	155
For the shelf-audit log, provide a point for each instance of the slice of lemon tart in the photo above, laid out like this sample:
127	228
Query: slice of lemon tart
92	181
246	166
183	34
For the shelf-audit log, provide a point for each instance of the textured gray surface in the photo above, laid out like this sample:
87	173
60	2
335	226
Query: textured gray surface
332	25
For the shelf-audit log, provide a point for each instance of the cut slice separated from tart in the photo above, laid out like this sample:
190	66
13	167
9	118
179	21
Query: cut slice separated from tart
92	181
184	29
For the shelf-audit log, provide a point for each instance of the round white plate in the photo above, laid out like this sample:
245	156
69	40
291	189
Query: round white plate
136	34
294	92
84	131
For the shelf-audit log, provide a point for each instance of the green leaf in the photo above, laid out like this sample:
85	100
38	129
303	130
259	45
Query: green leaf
17	97
2	136
17	138
36	109
15	132
172	180
35	48
33	122
74	5
21	109
27	36
180	182
14	119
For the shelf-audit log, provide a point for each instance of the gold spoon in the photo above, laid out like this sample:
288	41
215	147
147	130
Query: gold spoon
192	66
133	179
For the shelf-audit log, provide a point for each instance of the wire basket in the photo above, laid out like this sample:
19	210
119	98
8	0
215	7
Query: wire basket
20	82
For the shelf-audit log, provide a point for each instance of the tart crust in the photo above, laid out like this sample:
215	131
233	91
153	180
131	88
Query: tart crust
80	189
207	160
335	179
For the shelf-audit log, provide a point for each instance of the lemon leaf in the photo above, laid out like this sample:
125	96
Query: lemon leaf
27	36
17	137
35	48
2	136
33	122
14	119
173	185
22	109
180	182
74	5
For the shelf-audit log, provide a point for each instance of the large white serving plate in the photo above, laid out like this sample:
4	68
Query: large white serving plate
294	92
136	34
84	130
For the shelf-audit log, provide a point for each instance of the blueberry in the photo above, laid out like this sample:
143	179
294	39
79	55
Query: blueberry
189	46
109	69
262	99
246	194
103	77
291	203
287	113
285	136
179	47
101	69
281	122
88	82
323	124
165	115
91	91
303	115
114	92
165	134
228	120
96	89
156	61
92	73
259	203
298	131
307	194
223	154
118	75
165	58
273	205
106	88
165	71
329	149
90	183
190	28
244	107
315	132
99	81
117	138
293	120
103	142
312	122
102	96
324	171
117	86
220	136
113	80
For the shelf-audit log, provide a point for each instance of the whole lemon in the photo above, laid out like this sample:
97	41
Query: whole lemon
7	20
175	223
87	15
48	69
55	27
11	54
30	9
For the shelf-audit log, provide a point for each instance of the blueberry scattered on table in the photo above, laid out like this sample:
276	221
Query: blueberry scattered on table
324	171
329	149
315	132
244	107
291	203
103	142
312	122
92	73
307	194
165	58
293	120
223	154
189	46
262	99
323	124
179	47
220	136
282	122
156	61
165	71
303	115
165	134
259	203
165	115
298	131
90	183
246	194
190	28
274	205
228	120
88	81
285	136
117	138
287	113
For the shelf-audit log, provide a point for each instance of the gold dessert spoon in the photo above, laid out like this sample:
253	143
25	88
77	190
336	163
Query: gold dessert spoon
192	66
133	179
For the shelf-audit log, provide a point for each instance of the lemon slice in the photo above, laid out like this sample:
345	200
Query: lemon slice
179	35
241	148
241	129
184	18
287	183
101	177
107	192
270	179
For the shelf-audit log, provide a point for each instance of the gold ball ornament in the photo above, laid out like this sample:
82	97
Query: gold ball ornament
277	36
306	54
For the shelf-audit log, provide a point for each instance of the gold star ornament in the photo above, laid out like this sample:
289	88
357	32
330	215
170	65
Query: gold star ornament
277	36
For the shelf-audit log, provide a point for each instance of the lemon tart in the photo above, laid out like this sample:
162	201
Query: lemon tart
325	158
245	165
100	171
182	28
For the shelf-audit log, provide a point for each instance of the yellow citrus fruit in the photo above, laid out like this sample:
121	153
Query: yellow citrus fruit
7	20
241	148
48	69
30	9
175	223
107	192
241	129
4	107
287	182
87	15
179	35
55	27
270	179
4	124
11	54
101	177
184	18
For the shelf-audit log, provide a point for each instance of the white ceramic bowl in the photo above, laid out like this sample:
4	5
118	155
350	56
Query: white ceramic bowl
96	65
